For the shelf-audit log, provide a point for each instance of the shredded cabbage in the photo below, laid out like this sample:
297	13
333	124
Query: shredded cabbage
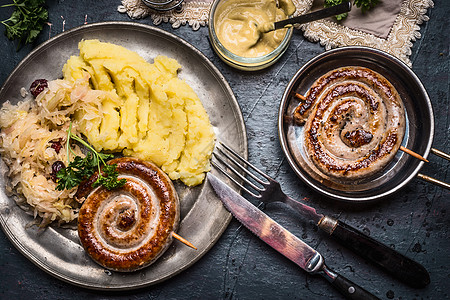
28	130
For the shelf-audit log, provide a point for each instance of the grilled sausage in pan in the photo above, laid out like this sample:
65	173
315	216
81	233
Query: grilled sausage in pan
354	122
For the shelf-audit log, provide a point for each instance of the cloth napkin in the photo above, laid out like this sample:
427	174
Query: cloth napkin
391	26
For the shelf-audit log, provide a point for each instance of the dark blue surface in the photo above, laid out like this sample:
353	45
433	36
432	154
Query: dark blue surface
415	221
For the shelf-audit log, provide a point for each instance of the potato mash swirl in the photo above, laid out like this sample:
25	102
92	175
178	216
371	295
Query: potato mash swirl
151	113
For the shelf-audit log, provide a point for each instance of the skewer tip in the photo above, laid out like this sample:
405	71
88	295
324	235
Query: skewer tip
300	96
414	154
183	240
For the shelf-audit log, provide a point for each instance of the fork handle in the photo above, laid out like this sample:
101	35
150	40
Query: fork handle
399	266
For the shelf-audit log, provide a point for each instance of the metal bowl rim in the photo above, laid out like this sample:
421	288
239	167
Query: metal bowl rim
360	50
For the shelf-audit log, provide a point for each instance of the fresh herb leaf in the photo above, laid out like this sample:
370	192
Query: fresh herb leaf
364	5
82	168
26	21
329	3
341	16
68	178
108	178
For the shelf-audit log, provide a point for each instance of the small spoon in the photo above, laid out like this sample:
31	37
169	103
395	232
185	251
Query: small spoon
314	16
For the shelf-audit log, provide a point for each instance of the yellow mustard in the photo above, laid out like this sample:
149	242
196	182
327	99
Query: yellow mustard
240	25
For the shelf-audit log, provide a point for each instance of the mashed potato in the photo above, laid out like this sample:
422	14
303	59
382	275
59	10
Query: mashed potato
150	113
119	102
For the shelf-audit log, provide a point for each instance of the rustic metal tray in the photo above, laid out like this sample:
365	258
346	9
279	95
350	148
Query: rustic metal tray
203	217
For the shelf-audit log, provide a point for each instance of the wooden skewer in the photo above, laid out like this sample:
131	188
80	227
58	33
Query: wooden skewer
300	96
183	240
406	150
414	154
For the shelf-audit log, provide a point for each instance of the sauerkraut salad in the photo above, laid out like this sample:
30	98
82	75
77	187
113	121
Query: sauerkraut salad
119	103
33	137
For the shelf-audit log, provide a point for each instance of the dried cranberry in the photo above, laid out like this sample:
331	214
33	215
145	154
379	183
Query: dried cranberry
56	166
56	145
38	86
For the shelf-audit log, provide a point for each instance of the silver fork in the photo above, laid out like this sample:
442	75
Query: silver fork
263	188
268	190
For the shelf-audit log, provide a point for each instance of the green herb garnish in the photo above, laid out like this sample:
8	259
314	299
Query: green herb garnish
329	3
27	20
82	168
364	5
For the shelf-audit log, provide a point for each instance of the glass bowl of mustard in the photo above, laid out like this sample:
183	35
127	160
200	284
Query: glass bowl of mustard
237	36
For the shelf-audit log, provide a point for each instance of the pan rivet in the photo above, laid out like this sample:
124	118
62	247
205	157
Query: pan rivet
351	290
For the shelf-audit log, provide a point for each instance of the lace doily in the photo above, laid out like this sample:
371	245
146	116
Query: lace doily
404	31
192	12
398	42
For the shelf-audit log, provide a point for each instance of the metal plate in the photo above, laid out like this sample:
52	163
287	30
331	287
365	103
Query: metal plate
418	135
203	217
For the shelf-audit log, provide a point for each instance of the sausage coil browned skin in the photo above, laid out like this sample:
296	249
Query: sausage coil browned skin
128	228
354	122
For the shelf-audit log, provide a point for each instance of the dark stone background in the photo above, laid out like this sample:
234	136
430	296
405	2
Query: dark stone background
414	221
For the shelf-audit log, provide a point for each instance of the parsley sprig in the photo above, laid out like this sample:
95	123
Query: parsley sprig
26	21
82	168
364	5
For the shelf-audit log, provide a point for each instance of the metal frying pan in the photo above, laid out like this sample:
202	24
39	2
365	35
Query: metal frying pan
418	136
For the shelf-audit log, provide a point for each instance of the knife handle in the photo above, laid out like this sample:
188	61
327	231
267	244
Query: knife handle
351	290
346	287
399	266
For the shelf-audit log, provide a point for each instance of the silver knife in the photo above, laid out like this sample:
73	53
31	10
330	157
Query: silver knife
283	241
399	266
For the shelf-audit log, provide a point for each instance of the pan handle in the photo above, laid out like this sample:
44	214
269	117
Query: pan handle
434	180
440	153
